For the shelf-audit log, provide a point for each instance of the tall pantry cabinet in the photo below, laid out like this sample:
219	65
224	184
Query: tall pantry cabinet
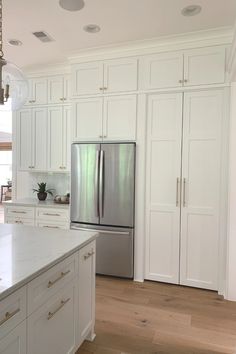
183	187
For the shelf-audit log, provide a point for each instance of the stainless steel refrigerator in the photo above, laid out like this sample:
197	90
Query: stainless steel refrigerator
102	198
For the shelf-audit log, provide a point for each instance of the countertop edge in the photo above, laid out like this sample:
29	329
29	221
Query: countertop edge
28	279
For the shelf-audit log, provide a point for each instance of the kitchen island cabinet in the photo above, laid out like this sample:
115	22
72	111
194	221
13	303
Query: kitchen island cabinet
47	301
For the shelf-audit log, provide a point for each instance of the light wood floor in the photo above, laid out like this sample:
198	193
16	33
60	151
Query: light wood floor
156	318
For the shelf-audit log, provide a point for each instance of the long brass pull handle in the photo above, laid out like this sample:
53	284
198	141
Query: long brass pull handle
177	191
9	315
51	214
184	193
89	254
18	222
62	304
63	274
18	212
51	227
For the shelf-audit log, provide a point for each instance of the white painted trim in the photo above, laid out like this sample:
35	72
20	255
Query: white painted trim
218	36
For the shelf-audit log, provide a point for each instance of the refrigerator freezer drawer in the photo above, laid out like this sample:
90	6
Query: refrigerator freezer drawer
114	254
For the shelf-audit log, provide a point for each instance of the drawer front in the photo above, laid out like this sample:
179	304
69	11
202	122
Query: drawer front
12	311
48	284
52	214
51	329
22	212
52	225
18	220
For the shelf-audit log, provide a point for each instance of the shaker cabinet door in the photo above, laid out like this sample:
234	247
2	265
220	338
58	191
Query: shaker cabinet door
87	78
24	140
39	91
55	138
39	139
55	89
15	341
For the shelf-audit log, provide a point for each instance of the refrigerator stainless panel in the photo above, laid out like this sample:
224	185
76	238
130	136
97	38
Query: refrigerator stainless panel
117	178
114	250
84	183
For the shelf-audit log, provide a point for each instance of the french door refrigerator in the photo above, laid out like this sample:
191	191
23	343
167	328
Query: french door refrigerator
102	199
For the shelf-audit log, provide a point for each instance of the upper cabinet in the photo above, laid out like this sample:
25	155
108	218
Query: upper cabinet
58	89
118	75
204	66
38	93
161	71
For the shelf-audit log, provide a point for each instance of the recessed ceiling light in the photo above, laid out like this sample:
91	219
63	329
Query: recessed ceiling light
71	5
92	28
14	42
191	10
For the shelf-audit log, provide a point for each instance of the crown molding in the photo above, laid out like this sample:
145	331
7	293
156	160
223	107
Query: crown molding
48	69
217	36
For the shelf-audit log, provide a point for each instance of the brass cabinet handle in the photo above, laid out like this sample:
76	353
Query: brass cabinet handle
9	315
184	193
62	304
185	80
177	191
18	222
89	254
101	88
104	88
62	275
51	214
51	227
62	99
18	212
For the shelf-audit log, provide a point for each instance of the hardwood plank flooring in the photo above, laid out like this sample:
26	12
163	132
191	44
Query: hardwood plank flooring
158	318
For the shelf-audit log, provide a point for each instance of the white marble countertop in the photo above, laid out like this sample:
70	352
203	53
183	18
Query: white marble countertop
34	202
26	252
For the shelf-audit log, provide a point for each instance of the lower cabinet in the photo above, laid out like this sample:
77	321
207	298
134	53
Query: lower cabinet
15	341
51	328
86	296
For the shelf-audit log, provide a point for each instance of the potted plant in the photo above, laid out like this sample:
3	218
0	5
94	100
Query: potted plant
42	191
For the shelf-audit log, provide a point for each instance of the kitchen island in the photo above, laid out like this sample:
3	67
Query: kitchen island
47	289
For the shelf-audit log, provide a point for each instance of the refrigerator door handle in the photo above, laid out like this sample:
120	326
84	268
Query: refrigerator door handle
101	184
97	183
101	231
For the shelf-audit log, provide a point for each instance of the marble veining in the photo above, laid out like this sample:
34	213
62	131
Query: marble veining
26	252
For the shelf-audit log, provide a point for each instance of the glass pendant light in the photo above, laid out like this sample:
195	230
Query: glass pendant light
13	83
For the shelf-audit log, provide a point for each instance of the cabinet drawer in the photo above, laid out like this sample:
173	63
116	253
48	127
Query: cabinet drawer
48	284
53	225
51	329
22	212
12	311
21	221
52	214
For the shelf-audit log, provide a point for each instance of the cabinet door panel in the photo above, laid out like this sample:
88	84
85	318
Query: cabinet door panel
24	139
87	117
87	78
15	341
201	173
51	329
120	115
204	66
120	75
56	89
55	138
66	137
163	193
39	91
161	70
39	149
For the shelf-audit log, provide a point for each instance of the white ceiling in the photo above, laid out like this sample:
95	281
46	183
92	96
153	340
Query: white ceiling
120	21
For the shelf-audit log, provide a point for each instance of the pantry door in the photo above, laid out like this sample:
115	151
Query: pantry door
201	189
164	134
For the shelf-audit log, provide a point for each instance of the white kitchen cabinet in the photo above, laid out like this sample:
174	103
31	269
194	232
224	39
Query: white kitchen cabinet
202	122
38	91
87	78
15	341
51	328
161	70
163	181
119	117
204	66
58	138
58	89
108	118
98	77
86	294
120	75
183	188
32	139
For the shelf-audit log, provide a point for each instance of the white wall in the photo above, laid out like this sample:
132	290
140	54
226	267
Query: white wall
231	263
